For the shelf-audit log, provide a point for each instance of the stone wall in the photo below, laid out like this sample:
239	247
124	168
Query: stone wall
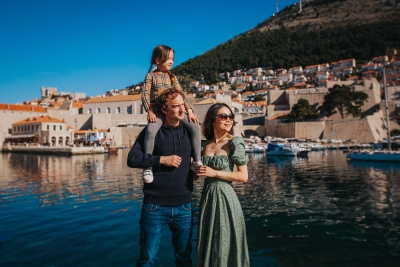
124	136
369	129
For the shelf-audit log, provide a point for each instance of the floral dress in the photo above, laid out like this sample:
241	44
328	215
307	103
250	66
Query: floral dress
222	230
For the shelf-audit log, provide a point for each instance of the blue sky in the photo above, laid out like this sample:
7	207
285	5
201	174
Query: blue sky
93	46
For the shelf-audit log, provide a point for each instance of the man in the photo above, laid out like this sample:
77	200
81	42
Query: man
167	200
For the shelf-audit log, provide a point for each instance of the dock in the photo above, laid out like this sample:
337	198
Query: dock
63	150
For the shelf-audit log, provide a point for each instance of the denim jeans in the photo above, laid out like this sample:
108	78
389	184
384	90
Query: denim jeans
153	220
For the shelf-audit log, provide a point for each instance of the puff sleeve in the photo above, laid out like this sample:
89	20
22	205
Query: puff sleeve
238	155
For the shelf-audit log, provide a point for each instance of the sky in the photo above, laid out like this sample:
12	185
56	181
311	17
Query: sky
94	46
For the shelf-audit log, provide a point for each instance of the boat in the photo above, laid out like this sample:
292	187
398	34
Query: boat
379	155
111	149
317	147
300	150
280	150
375	155
257	148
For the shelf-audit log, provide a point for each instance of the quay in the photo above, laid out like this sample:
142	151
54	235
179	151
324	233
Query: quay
52	150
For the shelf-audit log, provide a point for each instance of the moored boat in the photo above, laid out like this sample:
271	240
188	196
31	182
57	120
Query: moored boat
377	155
280	150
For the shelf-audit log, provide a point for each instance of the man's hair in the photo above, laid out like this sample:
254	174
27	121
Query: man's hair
166	96
208	123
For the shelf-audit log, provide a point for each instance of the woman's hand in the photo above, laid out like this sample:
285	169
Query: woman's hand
151	117
192	117
206	171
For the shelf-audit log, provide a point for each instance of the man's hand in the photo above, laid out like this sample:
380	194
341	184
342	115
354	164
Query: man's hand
172	161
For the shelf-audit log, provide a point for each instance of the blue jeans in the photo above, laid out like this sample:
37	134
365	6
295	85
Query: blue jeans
153	220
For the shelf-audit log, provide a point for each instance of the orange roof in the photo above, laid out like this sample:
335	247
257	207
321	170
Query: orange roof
118	98
248	93
23	108
46	118
77	104
56	104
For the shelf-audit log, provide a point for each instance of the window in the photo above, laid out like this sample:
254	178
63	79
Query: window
98	110
60	127
129	109
89	111
15	129
108	110
54	128
48	127
118	110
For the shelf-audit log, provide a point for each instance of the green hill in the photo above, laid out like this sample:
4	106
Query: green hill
325	31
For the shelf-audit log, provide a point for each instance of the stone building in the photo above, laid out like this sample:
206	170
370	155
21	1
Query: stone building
43	130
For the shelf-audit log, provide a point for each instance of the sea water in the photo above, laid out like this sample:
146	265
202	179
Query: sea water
320	210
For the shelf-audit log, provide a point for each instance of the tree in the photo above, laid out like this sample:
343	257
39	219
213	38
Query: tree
343	99
302	110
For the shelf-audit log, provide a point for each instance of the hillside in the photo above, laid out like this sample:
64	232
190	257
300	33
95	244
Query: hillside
325	31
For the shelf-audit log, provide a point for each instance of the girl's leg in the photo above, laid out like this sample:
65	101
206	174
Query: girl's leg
152	129
194	129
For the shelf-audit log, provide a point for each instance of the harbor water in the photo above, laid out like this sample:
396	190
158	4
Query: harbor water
320	210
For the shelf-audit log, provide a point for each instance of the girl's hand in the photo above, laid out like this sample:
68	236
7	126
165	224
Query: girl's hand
151	117
206	171
192	118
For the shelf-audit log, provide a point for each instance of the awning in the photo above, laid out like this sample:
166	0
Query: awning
19	136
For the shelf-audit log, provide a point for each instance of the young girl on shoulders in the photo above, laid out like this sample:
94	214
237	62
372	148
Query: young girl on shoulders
155	82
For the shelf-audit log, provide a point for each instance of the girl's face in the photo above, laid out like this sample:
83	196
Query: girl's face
223	120
167	65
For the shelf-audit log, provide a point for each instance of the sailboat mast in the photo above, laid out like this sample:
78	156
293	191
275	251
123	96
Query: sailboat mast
387	108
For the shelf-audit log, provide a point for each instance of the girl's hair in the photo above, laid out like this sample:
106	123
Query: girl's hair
208	124
161	52
166	95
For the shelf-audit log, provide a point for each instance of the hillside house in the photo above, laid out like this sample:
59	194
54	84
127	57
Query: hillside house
248	96
286	77
380	59
343	64
296	70
194	84
203	88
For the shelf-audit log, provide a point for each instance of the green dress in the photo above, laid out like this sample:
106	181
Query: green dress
222	231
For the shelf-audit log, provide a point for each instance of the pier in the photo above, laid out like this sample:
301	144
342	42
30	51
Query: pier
64	150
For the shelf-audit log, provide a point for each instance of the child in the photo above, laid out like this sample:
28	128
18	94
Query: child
157	81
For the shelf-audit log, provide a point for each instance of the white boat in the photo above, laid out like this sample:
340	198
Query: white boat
377	155
317	147
300	150
280	150
257	148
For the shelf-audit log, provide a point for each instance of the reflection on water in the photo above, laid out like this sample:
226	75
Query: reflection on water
316	211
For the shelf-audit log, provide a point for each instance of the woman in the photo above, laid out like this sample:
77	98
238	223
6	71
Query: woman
222	231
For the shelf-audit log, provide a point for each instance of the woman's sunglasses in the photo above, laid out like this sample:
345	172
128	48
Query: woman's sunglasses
224	116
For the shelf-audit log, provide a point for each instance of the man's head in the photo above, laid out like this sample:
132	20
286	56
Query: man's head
171	103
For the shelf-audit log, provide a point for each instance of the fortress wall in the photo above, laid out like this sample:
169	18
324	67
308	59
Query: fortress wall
309	130
356	128
124	136
273	128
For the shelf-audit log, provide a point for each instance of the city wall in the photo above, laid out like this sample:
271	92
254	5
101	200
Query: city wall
302	130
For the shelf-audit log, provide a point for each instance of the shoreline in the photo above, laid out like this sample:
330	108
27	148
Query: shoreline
52	150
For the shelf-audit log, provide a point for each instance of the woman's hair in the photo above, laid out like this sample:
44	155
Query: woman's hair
208	124
161	52
167	95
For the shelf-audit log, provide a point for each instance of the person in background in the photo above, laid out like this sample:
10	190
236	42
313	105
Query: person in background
157	81
167	200
222	231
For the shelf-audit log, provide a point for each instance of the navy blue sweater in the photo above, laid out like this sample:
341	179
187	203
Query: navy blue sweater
171	186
